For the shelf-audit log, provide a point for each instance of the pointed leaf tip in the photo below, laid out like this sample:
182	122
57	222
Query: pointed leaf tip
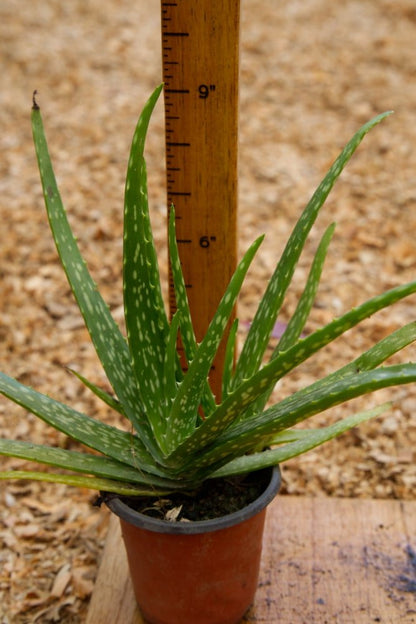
35	105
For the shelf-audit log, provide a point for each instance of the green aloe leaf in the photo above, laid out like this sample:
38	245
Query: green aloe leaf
146	321
234	406
259	334
109	343
367	361
301	405
229	360
108	440
187	331
297	322
300	316
170	380
92	483
184	409
303	440
86	463
379	353
101	394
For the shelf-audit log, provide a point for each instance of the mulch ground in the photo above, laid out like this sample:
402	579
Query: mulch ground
311	73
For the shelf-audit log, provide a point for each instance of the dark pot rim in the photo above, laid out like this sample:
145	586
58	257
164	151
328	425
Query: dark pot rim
126	513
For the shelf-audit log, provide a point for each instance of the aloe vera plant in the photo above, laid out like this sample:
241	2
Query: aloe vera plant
171	446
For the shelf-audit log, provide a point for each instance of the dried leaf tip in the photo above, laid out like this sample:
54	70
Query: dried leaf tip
35	105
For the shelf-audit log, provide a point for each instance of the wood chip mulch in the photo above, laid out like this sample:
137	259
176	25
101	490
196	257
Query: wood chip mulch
311	73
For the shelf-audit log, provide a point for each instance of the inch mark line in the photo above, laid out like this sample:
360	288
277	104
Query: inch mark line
176	34
176	90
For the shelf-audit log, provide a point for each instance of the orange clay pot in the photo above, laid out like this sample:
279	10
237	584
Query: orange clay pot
203	572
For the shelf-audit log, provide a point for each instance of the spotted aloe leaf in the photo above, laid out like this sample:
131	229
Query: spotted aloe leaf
82	481
234	406
187	331
298	407
146	321
183	414
85	463
170	370
99	392
297	322
229	356
299	442
259	334
109	343
378	353
108	440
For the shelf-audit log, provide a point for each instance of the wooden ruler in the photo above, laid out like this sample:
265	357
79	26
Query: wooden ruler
200	55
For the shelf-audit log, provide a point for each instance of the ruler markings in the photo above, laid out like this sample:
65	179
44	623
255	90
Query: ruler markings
200	71
176	90
175	34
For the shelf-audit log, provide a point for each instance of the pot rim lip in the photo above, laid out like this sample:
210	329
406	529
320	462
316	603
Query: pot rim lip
137	519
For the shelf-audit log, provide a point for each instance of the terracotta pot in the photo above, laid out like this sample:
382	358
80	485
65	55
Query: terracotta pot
203	572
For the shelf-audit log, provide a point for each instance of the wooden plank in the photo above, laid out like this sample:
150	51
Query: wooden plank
338	560
113	599
324	560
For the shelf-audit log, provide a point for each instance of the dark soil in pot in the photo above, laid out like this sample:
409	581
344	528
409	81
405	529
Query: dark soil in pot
213	499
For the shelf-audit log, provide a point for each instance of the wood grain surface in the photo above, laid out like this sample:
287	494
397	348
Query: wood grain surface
200	59
325	560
